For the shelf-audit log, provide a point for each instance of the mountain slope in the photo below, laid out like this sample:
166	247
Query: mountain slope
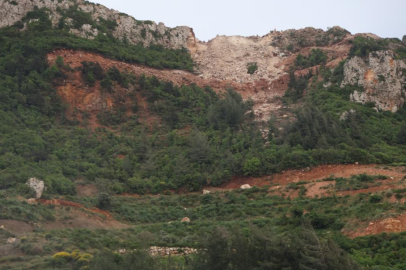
127	121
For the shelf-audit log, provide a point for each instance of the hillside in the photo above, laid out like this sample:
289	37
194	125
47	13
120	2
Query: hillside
128	122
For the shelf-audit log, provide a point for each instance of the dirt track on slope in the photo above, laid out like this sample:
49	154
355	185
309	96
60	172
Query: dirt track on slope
314	176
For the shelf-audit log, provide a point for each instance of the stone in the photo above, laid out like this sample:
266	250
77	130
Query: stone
32	201
11	240
2	227
382	77
344	115
205	191
245	186
185	219
37	185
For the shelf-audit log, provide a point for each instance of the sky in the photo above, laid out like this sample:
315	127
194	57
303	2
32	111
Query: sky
209	18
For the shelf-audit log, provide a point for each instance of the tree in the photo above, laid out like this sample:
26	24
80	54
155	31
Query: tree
103	201
252	166
199	148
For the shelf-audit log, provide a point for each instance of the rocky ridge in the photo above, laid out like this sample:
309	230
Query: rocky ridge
145	32
222	62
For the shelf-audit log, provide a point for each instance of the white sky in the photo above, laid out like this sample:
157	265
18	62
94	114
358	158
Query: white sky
208	18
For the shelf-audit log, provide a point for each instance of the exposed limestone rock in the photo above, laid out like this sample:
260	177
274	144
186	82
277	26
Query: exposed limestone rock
11	240
344	115
226	58
185	219
134	31
37	185
171	251
206	191
382	77
87	31
245	186
32	201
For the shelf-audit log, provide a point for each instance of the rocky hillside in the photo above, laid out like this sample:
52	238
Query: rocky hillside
382	77
226	60
88	20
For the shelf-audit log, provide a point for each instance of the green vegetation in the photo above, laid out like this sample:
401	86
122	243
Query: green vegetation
199	138
362	46
316	57
252	68
356	182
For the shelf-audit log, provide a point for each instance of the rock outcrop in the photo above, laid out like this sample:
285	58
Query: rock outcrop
171	251
37	185
185	219
382	77
245	186
134	31
11	240
293	39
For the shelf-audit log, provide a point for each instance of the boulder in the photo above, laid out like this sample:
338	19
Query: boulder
205	191
32	201
37	185
245	186
185	219
11	240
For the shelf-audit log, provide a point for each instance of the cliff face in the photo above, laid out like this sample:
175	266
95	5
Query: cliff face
382	77
145	32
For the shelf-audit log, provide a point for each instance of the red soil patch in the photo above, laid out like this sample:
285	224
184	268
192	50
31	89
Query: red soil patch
92	100
75	205
319	189
178	77
316	187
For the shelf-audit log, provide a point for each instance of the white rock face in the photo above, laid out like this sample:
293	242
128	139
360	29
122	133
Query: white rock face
345	114
382	77
11	240
245	186
145	32
206	191
37	185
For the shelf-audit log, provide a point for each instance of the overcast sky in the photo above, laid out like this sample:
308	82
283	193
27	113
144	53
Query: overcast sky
208	18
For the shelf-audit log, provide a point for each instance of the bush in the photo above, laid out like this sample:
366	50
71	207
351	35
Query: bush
375	198
252	68
103	201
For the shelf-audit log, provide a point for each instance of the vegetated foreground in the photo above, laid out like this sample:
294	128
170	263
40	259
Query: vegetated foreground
279	201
